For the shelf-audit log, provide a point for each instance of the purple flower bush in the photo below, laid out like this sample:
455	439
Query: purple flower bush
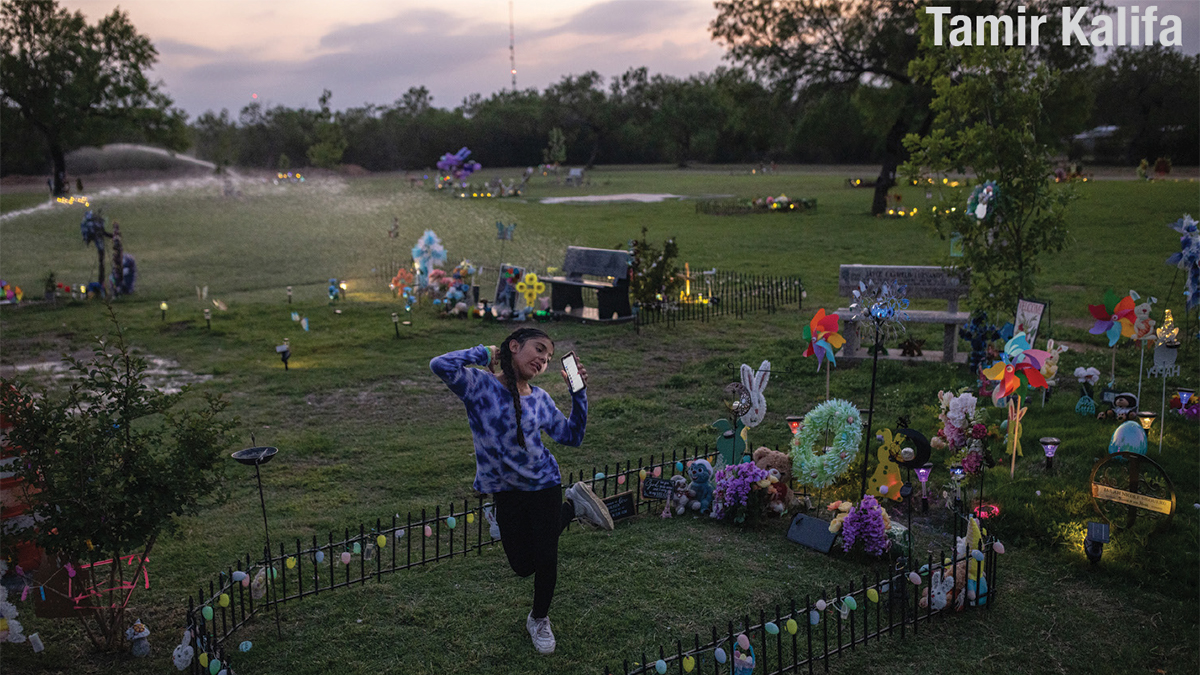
735	488
864	524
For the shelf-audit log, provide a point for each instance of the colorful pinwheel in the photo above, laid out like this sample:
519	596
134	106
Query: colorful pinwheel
1017	361
1114	318
823	337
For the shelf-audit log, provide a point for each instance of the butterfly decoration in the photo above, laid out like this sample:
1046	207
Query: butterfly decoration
505	232
1114	318
823	338
1018	361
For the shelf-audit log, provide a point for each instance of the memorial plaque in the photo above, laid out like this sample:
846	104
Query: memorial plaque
621	505
1127	486
657	488
811	532
923	281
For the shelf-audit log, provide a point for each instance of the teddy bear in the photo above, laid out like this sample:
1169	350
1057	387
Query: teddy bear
678	501
780	497
701	488
949	587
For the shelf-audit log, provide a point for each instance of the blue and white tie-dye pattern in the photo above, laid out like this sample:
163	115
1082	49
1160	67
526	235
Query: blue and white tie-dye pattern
501	463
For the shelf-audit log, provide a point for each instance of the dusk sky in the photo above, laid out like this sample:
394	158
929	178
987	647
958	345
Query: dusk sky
217	54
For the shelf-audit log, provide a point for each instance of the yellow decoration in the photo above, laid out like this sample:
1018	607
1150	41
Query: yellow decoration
1168	333
203	659
470	518
887	473
381	541
531	288
974	543
688	664
872	595
223	600
291	562
1015	414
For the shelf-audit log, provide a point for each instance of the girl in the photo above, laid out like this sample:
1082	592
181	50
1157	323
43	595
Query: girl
507	416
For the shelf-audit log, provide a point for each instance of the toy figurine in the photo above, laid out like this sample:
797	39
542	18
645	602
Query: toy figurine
701	488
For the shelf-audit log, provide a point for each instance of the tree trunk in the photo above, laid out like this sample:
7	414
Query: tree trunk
891	159
58	157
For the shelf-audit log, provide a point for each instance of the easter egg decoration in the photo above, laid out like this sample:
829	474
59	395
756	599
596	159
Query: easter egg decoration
428	531
660	667
223	600
451	522
872	595
207	613
792	626
771	628
319	556
689	664
291	562
345	557
719	655
245	646
381	540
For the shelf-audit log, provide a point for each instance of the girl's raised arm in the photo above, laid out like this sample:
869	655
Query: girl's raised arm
452	367
568	431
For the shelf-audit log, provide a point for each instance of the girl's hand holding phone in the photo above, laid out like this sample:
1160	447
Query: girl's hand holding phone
579	367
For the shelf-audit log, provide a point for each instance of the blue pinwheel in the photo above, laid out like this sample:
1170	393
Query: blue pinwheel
1188	258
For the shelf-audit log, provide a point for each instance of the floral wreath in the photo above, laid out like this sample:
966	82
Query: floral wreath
844	423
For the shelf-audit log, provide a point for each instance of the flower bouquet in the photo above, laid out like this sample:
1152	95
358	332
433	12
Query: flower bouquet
964	431
867	525
739	491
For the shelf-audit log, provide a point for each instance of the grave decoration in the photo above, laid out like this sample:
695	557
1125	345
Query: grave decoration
1088	378
964	432
1165	354
1050	365
886	481
982	202
836	427
881	310
980	334
1124	407
1143	331
458	288
976	581
506	290
139	639
1188	258
867	525
747	406
823	341
1114	319
778	466
457	166
1019	366
701	488
530	287
1128	486
427	254
739	492
10	628
10	293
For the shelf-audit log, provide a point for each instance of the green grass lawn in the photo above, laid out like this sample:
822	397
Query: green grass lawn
365	431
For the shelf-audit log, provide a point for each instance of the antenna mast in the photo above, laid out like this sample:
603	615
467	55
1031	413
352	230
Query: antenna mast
512	48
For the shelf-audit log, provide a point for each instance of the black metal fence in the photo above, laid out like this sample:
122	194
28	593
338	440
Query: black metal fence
309	567
724	294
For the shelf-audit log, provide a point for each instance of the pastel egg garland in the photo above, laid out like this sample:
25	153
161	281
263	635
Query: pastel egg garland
844	424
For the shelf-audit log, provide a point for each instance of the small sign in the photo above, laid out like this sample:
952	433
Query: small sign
621	505
956	245
1131	499
657	488
811	532
1029	318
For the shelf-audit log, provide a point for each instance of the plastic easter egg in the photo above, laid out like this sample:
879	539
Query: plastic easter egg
245	582
743	642
319	556
207	612
599	475
820	605
345	557
678	467
883	588
428	531
657	471
719	655
621	479
660	667
914	578
272	572
223	600
291	562
872	595
399	533
791	626
470	518
642	474
239	575
814	617
689	664
381	541
947	561
451	522
924	570
883	489
977	554
998	548
357	548
203	659
214	666
850	602
1129	437
246	645
771	628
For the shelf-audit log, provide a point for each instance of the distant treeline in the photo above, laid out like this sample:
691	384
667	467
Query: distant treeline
1150	94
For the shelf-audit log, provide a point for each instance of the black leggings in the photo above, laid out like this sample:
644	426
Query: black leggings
530	523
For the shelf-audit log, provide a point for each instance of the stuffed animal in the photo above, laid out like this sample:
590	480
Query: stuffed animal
138	634
182	656
949	587
780	497
1050	365
701	489
677	503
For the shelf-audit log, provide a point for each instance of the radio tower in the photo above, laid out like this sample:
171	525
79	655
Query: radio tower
512	48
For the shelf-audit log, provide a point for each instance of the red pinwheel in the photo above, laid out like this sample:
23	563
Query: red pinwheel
823	337
1114	318
1017	361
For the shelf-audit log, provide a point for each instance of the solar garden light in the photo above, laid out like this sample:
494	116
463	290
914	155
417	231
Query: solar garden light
396	323
923	476
957	475
163	306
342	286
1049	446
794	422
1146	419
1185	395
285	352
208	318
1093	543
289	295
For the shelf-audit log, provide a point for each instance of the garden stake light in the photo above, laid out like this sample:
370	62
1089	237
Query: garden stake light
163	306
1093	543
1146	419
794	421
923	476
289	291
396	323
257	456
1049	446
208	318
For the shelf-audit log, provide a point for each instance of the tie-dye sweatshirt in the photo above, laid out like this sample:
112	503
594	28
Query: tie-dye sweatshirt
501	464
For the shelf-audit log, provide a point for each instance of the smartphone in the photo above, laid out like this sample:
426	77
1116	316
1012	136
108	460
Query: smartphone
572	367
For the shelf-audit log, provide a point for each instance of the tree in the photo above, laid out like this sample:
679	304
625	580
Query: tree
796	43
989	105
68	78
107	469
331	142
555	151
1151	94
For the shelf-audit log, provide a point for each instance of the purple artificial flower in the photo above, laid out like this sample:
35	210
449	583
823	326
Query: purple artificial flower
864	524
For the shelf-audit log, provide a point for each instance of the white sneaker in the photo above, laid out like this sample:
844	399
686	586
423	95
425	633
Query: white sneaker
539	630
493	526
588	507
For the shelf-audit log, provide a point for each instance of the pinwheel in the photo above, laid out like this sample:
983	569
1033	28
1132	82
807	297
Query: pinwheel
1017	361
1188	258
823	337
1114	318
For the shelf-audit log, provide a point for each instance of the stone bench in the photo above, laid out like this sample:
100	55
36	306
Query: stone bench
923	282
610	269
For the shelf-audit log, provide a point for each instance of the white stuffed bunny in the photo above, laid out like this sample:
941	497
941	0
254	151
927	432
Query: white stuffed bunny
755	382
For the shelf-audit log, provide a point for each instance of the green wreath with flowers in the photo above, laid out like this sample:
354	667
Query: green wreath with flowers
838	421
